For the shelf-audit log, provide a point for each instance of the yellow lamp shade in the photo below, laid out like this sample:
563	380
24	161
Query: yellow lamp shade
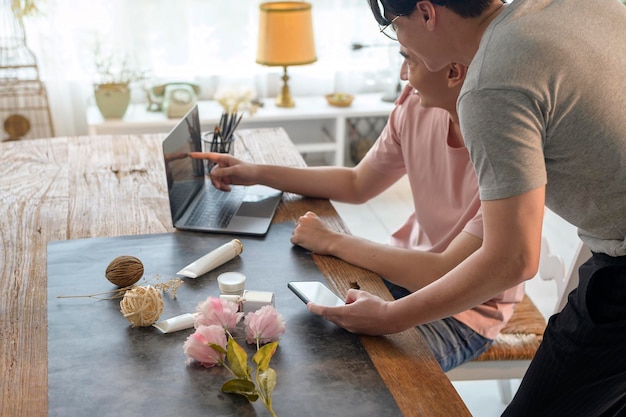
285	34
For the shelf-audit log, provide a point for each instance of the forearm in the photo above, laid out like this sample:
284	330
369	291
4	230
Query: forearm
349	185
509	255
410	269
479	280
334	183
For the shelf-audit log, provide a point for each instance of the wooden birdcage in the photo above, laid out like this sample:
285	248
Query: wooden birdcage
24	108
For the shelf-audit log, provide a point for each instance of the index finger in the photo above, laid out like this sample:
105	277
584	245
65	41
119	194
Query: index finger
211	156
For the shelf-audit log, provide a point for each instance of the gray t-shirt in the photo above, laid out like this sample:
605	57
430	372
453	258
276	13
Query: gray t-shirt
544	103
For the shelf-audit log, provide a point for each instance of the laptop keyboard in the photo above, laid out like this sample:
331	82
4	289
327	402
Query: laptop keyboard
216	208
181	191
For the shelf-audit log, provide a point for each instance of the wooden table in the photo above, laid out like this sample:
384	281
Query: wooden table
80	187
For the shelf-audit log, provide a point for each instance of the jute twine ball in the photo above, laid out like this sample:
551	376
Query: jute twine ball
124	271
142	306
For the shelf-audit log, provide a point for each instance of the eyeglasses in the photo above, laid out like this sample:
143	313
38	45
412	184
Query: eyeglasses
389	30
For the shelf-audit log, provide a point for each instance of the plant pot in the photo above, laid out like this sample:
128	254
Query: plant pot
112	99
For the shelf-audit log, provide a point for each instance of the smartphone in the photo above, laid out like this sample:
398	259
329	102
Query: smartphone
316	292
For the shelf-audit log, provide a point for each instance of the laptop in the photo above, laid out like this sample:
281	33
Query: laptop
196	204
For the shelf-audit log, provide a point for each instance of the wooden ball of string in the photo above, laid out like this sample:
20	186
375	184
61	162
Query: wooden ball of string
142	306
124	271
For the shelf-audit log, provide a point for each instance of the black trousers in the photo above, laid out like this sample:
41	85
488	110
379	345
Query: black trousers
580	367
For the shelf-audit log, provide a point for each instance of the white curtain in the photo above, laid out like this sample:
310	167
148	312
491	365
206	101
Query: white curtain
209	42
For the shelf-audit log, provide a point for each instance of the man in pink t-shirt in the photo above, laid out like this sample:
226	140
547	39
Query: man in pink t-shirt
422	139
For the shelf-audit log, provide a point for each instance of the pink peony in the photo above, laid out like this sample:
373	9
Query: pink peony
197	346
264	325
219	312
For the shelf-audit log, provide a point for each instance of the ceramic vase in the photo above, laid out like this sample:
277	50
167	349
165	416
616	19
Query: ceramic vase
112	99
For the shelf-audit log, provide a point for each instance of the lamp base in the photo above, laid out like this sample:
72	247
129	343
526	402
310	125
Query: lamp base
284	98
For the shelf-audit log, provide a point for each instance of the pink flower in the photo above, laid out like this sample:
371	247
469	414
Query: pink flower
197	346
264	325
219	312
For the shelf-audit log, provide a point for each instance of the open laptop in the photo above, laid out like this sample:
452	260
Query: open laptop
196	204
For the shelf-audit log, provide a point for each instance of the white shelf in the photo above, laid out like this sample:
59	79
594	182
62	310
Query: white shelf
309	124
316	147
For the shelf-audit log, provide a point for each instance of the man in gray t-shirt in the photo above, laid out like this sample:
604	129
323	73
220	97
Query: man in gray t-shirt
553	115
543	113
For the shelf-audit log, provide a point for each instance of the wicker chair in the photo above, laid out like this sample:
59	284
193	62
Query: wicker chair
511	353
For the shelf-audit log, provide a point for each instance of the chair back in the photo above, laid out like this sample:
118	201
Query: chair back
552	267
570	280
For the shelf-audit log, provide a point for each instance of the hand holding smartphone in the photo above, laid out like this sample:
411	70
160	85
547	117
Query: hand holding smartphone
316	292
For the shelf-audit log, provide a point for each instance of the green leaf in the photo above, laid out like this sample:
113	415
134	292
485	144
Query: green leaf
217	348
263	356
241	387
267	382
238	360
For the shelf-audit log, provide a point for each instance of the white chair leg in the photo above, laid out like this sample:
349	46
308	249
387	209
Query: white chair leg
504	387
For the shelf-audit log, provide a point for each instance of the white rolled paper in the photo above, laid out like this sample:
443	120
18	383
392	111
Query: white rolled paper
182	322
213	259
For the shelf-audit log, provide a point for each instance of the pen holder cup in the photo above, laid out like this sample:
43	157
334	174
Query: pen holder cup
212	143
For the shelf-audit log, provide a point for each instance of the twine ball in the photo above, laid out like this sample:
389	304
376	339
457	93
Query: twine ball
124	271
142	306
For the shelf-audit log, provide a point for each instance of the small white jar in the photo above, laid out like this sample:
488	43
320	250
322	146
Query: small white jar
231	283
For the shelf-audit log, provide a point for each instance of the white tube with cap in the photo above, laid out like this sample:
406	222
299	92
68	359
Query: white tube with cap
182	322
213	259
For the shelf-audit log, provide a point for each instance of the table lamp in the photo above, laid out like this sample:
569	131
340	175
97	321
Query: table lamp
285	38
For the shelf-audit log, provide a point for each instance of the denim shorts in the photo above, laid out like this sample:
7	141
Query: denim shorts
451	341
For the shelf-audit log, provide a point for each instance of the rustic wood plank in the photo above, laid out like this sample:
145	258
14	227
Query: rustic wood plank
33	192
125	182
80	187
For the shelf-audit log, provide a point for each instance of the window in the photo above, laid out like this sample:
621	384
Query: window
210	42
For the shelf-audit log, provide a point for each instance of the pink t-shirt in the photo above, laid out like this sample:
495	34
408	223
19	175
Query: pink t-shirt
445	194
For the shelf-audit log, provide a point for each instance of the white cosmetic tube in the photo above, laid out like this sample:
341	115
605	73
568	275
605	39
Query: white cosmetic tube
213	259
182	322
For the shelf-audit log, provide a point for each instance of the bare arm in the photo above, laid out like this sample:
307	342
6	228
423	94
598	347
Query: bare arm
408	268
349	185
509	255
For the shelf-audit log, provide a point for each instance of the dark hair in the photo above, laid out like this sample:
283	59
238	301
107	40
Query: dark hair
464	8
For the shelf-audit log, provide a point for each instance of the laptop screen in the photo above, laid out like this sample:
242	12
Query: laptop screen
185	176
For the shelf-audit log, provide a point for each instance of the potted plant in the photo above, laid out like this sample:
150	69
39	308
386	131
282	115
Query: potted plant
112	87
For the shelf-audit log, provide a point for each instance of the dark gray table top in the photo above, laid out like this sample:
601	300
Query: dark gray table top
99	366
